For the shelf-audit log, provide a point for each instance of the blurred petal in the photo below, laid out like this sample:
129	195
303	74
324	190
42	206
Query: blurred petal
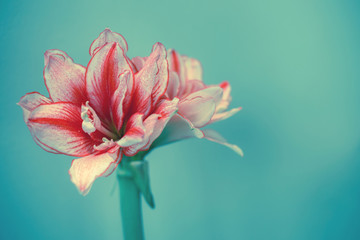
151	81
107	36
226	98
193	86
224	115
193	68
30	101
177	128
59	127
174	84
214	136
176	65
199	107
64	79
84	171
107	80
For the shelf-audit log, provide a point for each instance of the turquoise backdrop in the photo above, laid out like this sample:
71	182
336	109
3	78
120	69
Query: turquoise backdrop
294	66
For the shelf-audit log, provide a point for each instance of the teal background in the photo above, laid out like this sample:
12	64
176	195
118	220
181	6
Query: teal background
294	68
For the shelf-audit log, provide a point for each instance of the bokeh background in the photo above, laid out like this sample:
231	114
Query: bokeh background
294	66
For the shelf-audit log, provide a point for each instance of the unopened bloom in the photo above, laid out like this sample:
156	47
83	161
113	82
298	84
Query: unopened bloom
101	111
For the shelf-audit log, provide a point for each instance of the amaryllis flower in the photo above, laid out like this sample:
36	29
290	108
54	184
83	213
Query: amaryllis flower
101	111
199	105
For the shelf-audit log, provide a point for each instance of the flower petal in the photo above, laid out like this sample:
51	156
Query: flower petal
64	79
138	62
84	171
151	81
177	128
174	84
107	36
199	107
106	81
121	98
154	125
193	68
58	126
214	136
193	86
177	65
30	101
226	97
224	115
135	131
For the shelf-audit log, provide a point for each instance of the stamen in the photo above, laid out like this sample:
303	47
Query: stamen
91	122
88	119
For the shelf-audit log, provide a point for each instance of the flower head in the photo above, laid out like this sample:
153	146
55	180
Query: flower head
199	105
101	111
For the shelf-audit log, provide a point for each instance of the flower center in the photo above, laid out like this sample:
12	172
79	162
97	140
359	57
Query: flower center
91	122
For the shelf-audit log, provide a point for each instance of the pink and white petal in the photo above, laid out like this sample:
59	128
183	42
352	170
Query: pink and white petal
214	136
30	101
193	68
174	84
121	98
154	125
84	171
64	79
198	110
138	62
103	81
192	86
166	109
59	127
226	98
107	36
151	81
177	128
226	90
135	131
199	107
224	115
177	65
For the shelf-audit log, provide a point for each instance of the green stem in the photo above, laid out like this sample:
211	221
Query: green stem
130	205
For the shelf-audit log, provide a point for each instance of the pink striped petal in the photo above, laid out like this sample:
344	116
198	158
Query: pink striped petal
199	107
214	136
174	85
176	65
138	62
151	81
121	98
177	128
154	125
226	98
166	109
193	68
193	86
30	101
107	36
107	78
135	131
58	127
84	171
64	79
